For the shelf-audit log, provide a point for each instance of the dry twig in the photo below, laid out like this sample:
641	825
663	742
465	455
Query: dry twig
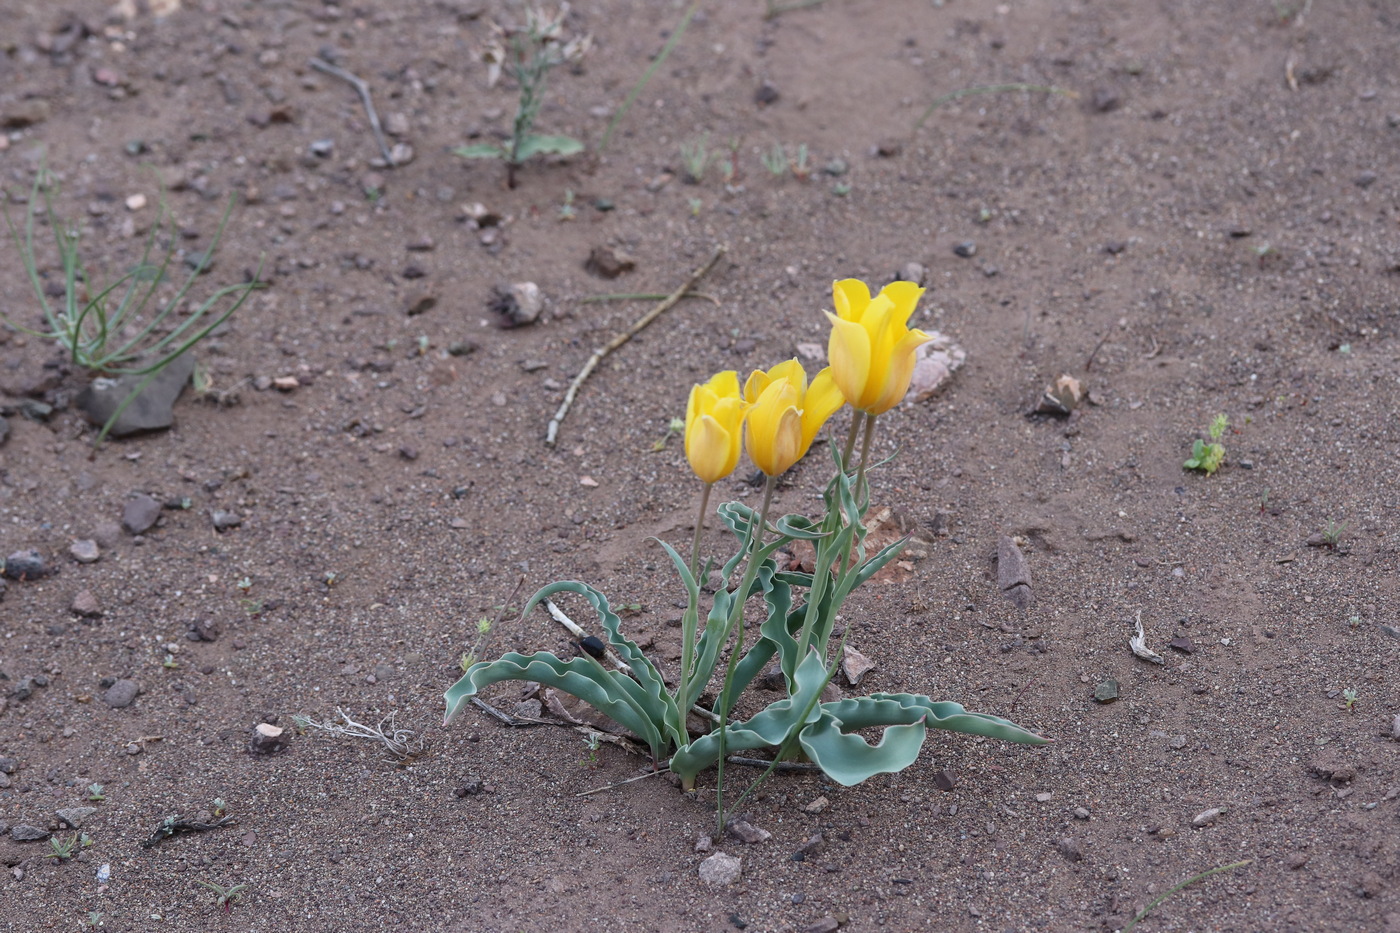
399	742
363	89
553	432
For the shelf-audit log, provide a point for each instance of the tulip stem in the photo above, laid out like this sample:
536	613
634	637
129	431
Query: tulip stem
864	452
736	620
856	418
692	616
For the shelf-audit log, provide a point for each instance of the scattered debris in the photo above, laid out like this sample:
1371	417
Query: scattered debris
267	739
174	826
517	305
1061	397
400	742
1013	573
608	262
1139	644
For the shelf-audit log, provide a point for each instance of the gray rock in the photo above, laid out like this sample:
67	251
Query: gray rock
153	407
1206	817
1070	848
517	305
75	816
23	832
966	249
912	272
824	925
107	534
25	565
121	694
1395	728
267	739
85	551
86	605
140	513
748	833
855	665
720	869
1013	573
8	765
4	429
224	520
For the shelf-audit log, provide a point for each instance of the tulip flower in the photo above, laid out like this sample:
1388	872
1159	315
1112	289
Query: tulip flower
785	413
871	346
712	420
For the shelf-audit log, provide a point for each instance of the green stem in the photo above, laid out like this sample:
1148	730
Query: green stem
1189	881
692	615
736	620
851	440
864	453
665	53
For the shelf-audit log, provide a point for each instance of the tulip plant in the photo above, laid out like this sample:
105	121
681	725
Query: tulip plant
871	349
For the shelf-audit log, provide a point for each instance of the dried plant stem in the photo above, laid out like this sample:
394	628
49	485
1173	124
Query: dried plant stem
1169	892
398	741
656	63
553	431
363	90
644	296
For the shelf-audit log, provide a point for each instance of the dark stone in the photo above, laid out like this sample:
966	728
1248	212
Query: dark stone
205	630
4	429
121	694
966	249
1013	573
1105	100
25	565
767	93
151	410
22	832
471	787
75	816
224	520
1070	848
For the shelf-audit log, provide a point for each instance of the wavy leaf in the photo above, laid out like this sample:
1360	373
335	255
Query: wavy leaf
951	716
848	759
582	677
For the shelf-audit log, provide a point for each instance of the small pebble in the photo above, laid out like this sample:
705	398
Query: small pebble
85	551
121	694
25	565
720	869
1206	817
966	249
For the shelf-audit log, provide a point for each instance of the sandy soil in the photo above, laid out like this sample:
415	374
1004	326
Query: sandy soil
1208	227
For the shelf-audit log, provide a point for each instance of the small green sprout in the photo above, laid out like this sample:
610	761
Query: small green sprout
170	663
695	157
695	205
219	806
1333	533
775	160
984	215
591	761
483	628
1207	457
801	168
224	896
674	427
566	211
61	850
95	793
533	50
1348	698
841	189
245	584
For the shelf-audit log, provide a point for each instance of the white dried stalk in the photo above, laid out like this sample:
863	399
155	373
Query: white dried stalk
399	742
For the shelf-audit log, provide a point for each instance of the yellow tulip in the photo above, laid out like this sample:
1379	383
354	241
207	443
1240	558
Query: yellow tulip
785	413
712	419
871	346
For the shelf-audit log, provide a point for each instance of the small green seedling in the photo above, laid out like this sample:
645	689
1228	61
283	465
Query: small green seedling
170	663
1333	533
591	761
220	807
95	793
567	211
245	584
800	166
676	426
61	850
483	628
224	896
695	206
1207	457
528	54
775	160
1348	698
695	157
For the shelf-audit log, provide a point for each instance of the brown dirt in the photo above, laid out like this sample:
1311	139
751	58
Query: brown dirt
1227	242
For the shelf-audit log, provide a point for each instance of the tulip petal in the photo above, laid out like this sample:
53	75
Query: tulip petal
774	430
850	296
901	370
849	352
707	448
823	399
905	296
